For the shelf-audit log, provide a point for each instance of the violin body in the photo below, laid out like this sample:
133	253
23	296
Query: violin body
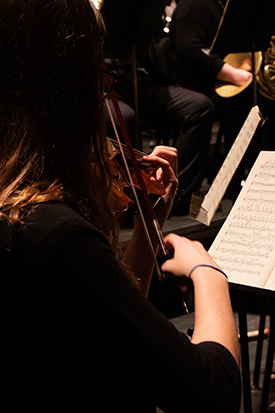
120	201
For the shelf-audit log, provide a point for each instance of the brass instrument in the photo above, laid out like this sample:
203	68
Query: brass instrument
266	76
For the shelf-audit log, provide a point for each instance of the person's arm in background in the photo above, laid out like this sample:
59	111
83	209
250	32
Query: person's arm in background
192	30
195	25
236	76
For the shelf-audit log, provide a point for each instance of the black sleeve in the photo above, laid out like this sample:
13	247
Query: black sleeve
193	28
168	364
103	343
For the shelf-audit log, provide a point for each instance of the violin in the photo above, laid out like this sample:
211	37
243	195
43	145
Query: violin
122	194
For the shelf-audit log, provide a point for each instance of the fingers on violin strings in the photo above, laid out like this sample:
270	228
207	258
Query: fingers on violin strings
165	172
164	151
164	158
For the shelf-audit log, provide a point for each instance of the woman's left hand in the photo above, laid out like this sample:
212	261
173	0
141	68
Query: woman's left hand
166	159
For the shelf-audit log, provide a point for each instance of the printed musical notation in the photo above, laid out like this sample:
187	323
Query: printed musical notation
245	245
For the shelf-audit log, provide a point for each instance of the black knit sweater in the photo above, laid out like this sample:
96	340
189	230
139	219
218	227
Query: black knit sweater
77	336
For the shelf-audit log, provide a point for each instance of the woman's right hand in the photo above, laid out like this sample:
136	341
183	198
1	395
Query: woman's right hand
186	255
214	319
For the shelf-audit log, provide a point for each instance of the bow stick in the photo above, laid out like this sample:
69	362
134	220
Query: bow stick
150	209
155	221
145	194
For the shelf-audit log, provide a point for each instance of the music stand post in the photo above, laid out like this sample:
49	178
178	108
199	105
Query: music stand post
242	292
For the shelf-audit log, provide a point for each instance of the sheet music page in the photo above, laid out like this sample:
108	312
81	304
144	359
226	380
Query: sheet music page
245	245
232	160
205	210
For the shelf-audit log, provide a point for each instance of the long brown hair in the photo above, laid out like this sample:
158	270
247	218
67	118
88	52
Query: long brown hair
52	132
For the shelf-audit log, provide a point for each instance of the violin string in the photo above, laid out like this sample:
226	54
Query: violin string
134	192
137	152
149	168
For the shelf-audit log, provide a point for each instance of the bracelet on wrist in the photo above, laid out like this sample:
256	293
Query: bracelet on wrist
209	266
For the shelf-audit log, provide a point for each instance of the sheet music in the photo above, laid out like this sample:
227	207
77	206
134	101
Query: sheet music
245	245
205	212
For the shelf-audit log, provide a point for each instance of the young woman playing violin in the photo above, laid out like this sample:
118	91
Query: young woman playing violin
78	332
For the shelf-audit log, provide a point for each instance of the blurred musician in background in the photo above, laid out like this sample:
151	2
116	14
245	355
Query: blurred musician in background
192	30
190	87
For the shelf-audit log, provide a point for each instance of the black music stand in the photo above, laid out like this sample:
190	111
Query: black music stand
131	26
243	292
246	26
